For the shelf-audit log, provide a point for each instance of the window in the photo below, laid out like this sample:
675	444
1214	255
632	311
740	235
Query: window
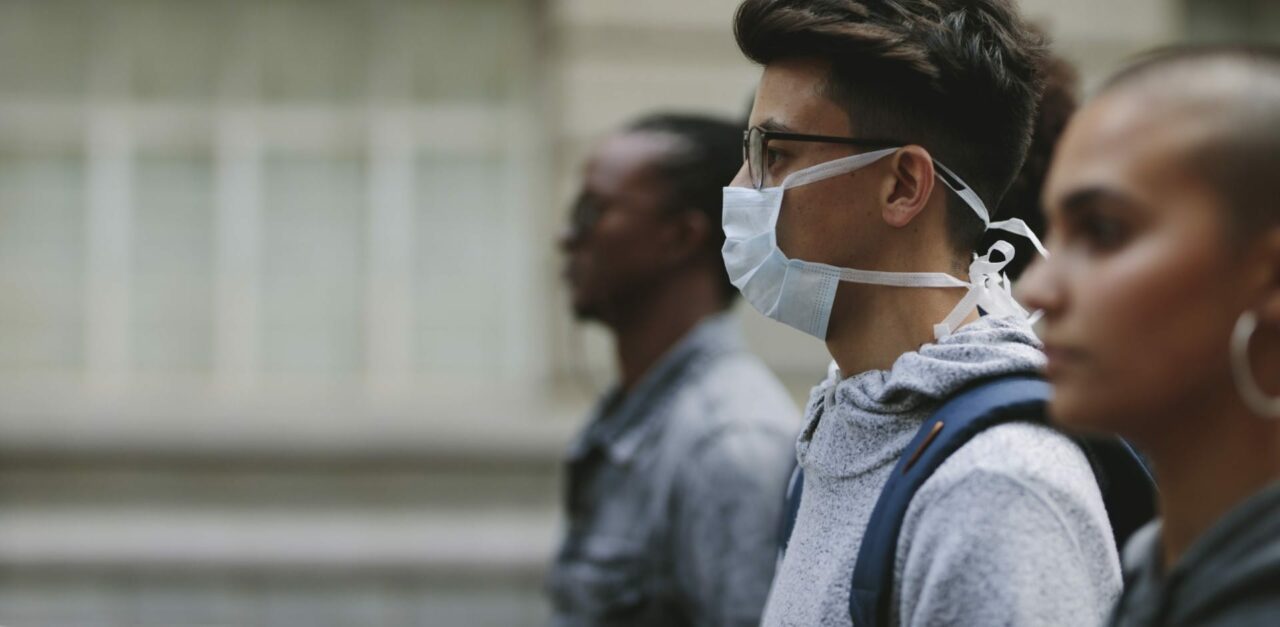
249	193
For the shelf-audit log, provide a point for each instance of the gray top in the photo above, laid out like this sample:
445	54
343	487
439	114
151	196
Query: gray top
1010	530
1230	576
674	492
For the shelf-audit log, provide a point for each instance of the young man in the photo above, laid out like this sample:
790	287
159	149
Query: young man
675	485
880	134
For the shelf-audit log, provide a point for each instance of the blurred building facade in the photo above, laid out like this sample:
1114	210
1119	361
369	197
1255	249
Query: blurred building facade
281	338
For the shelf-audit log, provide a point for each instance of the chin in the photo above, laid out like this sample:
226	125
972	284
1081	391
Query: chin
1075	413
1068	408
1065	415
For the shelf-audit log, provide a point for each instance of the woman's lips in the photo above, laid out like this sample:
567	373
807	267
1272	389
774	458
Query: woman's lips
1060	357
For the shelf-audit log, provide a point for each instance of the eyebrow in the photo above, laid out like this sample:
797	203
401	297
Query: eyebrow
1082	199
773	124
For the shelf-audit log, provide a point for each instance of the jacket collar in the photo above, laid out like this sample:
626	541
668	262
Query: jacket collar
618	423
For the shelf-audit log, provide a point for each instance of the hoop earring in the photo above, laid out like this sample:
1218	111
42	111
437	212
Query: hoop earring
1242	371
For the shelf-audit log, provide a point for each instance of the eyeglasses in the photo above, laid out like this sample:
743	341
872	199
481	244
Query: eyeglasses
588	208
755	146
584	214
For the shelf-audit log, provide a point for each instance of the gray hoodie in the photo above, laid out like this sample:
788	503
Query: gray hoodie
1230	576
1010	530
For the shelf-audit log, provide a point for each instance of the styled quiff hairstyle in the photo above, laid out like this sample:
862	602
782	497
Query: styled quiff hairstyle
959	77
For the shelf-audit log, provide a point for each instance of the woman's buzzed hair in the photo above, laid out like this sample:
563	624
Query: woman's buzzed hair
959	77
1230	96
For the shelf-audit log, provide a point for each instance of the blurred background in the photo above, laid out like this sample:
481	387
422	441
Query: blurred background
282	340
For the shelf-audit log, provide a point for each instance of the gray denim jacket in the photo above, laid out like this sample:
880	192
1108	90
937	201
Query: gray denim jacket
674	492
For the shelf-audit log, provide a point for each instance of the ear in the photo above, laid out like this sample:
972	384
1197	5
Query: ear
907	189
686	235
1269	255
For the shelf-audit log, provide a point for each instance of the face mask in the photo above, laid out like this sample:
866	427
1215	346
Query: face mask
800	293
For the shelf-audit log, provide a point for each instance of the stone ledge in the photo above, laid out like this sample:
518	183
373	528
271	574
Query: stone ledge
421	542
350	426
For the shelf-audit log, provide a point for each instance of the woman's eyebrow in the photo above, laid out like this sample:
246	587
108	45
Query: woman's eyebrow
1085	198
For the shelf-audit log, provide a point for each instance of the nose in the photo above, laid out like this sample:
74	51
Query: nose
568	238
742	178
1040	288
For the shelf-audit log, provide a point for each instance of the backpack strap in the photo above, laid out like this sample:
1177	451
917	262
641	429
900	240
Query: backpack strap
964	415
1127	486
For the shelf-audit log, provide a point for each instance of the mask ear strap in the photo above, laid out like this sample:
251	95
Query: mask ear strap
837	167
1018	227
900	279
970	197
992	290
966	193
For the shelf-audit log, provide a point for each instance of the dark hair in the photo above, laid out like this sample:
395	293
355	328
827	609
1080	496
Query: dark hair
1057	104
1231	94
959	77
704	159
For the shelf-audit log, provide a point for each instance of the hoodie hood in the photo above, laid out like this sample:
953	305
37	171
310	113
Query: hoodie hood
857	424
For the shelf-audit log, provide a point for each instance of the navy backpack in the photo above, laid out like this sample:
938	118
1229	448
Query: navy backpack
1128	488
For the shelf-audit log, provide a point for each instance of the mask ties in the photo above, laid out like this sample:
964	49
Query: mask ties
989	289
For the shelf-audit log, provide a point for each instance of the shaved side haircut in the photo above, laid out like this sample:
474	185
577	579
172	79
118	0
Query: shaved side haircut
1229	97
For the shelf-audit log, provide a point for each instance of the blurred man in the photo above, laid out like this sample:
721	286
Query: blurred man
675	485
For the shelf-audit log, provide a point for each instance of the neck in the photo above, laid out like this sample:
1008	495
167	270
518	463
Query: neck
649	326
1208	462
871	325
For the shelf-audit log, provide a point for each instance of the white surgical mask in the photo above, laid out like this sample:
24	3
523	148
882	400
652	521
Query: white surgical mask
800	293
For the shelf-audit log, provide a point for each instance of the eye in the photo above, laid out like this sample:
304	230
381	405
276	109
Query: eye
585	212
1101	232
772	157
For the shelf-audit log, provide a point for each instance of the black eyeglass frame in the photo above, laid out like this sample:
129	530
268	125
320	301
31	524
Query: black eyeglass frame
755	167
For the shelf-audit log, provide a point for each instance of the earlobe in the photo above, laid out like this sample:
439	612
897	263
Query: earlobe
908	187
1269	304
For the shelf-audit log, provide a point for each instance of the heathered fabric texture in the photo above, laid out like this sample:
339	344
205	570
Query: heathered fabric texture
675	490
1010	530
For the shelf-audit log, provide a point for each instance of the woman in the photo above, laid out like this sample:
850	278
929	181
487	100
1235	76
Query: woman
1161	303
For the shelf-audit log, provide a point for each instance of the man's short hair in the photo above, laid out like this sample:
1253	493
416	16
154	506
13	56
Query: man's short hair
706	156
1023	200
959	77
1230	95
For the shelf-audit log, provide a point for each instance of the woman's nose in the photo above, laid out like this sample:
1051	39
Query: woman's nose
1038	289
